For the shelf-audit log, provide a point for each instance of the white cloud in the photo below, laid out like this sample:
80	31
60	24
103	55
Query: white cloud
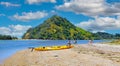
7	4
29	16
99	9
39	1
90	7
2	14
14	30
101	24
53	12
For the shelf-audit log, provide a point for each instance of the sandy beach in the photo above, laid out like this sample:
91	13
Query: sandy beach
80	55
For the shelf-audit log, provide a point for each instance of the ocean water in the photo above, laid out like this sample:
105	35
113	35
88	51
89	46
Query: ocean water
9	47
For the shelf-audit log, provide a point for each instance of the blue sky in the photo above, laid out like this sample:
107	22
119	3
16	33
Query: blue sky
95	15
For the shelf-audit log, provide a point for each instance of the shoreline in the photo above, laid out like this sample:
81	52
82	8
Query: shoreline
79	55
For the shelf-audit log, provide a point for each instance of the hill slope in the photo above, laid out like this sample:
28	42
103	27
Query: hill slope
56	28
7	37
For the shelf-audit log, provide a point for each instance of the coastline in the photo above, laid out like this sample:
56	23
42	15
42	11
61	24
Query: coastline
80	55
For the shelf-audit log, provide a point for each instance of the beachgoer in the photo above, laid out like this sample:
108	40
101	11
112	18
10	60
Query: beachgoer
43	47
90	42
32	48
75	42
69	43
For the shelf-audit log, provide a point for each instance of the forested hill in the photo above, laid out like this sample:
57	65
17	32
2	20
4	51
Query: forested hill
7	37
57	28
104	35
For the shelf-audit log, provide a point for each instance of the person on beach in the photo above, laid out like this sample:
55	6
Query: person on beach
90	42
69	43
75	41
43	47
32	48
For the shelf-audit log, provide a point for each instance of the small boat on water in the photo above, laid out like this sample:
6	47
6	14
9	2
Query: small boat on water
48	48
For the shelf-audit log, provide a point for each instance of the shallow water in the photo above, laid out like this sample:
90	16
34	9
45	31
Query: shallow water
9	47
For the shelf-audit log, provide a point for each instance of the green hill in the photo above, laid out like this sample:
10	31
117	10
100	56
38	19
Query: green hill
56	28
104	35
7	37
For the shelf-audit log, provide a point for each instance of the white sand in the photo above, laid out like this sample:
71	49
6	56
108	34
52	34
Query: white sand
107	47
80	55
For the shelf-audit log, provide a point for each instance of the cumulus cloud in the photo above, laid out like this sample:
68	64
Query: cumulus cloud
26	16
7	4
101	24
90	7
99	9
39	1
53	12
2	14
14	30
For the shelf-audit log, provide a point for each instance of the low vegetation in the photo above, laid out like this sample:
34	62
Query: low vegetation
115	42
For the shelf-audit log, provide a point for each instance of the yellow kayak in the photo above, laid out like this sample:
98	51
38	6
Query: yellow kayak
53	48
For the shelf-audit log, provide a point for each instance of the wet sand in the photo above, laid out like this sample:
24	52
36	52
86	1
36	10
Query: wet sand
80	55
